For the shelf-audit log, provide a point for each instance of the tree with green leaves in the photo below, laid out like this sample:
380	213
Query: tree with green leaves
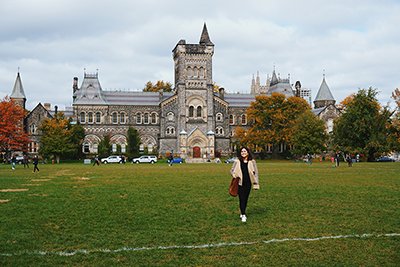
104	147
133	143
59	138
309	134
363	127
159	85
77	135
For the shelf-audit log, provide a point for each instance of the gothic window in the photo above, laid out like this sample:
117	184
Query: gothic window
122	118
98	117
219	117
82	117
170	131
198	113
146	118
85	148
219	131
114	116
170	116
138	118
33	129
123	148
153	118
150	148
191	112
231	119
114	148
244	119
190	72
201	73
90	117
141	147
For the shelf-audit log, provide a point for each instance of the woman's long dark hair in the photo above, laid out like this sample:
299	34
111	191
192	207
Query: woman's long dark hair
239	155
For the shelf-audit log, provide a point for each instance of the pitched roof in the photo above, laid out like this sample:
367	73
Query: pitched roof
239	100
324	93
205	38
18	91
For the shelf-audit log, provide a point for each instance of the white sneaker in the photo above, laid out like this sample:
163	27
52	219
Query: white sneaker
244	218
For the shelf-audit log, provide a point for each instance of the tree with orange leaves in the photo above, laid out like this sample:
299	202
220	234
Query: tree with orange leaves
12	134
274	119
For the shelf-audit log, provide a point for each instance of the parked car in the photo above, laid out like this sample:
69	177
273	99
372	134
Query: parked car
145	159
385	159
20	159
112	159
231	160
176	160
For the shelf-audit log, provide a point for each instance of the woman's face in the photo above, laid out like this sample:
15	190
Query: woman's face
244	153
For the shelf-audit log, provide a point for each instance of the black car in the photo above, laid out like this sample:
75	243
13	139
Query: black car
384	159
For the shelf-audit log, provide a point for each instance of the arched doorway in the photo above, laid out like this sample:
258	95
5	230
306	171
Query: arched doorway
196	152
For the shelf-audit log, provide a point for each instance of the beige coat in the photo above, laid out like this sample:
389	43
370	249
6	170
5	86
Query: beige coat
236	171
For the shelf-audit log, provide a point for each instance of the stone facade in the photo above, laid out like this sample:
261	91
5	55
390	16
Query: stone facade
192	121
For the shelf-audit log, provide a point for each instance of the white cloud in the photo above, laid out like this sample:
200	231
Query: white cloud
130	42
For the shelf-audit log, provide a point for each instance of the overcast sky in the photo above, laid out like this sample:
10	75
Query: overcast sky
130	42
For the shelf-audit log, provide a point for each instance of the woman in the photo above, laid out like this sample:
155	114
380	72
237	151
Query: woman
245	168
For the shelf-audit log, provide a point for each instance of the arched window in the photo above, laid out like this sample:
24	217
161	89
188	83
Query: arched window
32	129
153	118
190	72
191	112
201	72
138	118
244	119
90	117
231	119
122	118
219	117
82	117
98	117
198	113
114	116
219	131
170	116
146	118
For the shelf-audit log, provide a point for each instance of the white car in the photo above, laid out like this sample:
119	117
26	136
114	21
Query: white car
112	159
145	159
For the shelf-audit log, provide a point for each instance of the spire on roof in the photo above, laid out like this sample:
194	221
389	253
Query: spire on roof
18	91
274	79
205	38
324	93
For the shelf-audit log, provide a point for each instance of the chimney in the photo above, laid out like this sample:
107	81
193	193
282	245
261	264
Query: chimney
47	106
75	84
55	109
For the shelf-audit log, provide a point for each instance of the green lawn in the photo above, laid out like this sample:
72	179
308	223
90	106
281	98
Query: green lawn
140	215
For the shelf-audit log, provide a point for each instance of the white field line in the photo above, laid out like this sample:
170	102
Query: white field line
215	245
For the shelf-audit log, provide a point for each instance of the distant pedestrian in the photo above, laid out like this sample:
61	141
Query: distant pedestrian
309	159
123	159
26	161
13	162
337	159
170	159
349	160
96	161
245	168
35	164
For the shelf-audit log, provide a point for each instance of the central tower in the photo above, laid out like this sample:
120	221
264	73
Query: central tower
194	88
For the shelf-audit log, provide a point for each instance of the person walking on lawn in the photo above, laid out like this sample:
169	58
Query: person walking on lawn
245	168
35	164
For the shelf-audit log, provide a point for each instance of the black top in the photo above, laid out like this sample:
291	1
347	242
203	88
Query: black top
245	172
